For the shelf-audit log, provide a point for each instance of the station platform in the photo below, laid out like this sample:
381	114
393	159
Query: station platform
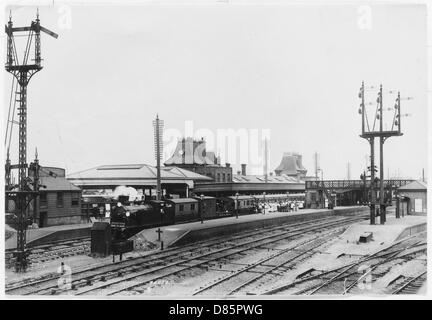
49	234
382	235
180	234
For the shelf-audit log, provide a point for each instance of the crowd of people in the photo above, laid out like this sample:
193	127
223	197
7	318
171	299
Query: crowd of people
282	206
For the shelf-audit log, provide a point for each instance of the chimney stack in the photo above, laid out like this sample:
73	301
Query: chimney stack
227	164
243	169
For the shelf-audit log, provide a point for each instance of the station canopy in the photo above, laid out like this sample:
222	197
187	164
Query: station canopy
136	175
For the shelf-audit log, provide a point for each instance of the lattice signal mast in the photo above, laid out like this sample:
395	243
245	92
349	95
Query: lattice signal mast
158	135
369	132
22	71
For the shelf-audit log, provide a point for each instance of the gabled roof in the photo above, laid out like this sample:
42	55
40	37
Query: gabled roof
57	184
415	185
53	184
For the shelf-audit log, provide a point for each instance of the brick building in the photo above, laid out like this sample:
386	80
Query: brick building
192	155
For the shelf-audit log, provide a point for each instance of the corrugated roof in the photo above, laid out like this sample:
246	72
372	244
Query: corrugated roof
415	185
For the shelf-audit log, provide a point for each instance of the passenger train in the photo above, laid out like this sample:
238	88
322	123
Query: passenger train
136	216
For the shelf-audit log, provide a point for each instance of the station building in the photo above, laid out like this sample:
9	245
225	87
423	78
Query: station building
59	201
191	154
245	184
413	198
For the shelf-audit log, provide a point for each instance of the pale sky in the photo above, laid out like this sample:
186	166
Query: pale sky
295	70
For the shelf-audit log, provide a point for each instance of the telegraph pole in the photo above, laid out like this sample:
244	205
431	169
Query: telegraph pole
382	139
158	134
22	71
371	140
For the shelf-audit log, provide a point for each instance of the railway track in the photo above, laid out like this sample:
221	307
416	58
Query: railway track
250	274
343	279
411	285
22	287
402	255
52	251
142	278
146	269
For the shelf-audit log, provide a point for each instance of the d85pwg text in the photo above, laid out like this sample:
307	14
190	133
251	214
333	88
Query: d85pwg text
237	309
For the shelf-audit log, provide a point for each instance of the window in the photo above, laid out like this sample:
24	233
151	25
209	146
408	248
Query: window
223	177
75	199
228	177
193	206
59	199
43	202
418	205
181	207
218	177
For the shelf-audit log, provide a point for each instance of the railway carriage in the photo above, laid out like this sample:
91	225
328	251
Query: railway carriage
208	205
183	209
244	204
